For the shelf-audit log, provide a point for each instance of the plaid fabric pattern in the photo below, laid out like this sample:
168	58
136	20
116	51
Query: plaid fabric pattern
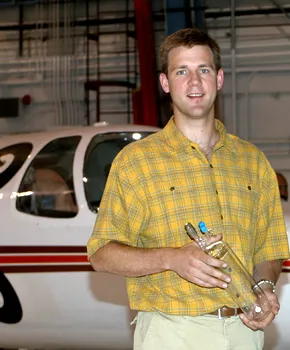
158	184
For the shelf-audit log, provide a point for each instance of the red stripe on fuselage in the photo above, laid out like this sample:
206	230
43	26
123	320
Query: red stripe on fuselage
47	258
31	249
45	268
42	259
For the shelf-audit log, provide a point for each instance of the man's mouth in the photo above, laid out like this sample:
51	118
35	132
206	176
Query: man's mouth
195	95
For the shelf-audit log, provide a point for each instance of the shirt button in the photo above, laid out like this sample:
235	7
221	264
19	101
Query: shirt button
211	165
216	191
222	217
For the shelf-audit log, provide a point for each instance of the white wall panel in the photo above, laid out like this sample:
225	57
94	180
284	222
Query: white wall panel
269	116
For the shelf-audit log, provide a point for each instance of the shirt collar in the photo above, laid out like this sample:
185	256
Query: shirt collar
176	140
225	138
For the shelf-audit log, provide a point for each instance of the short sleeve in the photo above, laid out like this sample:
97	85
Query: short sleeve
271	237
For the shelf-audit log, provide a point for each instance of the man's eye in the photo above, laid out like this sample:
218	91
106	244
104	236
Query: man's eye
204	70
181	72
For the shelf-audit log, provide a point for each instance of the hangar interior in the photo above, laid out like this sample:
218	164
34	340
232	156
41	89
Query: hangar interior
74	62
78	62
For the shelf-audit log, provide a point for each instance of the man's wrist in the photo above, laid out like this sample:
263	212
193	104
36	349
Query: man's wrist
167	258
265	284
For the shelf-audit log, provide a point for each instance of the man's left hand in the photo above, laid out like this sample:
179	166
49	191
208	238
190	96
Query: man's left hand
255	325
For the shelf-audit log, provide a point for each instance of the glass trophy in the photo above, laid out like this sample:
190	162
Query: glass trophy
243	289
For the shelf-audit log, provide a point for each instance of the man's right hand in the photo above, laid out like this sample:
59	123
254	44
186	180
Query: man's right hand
194	265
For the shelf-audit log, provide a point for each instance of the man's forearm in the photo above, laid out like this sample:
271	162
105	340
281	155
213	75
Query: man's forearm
129	261
269	270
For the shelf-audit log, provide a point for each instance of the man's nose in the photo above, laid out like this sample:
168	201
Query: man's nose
194	79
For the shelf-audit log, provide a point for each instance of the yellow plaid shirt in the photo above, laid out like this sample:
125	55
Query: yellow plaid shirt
159	183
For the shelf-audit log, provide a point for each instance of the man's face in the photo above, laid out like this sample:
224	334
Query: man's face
192	81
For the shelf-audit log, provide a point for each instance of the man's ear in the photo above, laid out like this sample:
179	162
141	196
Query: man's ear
164	82
220	79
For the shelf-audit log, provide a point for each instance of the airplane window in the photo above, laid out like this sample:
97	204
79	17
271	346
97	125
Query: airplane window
47	187
11	160
99	156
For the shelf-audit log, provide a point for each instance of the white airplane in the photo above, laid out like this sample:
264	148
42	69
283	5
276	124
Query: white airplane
51	184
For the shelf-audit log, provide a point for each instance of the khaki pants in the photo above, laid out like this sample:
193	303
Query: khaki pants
158	331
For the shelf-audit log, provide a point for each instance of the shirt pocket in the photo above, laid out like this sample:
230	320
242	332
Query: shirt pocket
241	206
242	197
170	208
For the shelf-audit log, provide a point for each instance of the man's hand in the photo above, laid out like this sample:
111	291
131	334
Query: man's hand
194	265
254	325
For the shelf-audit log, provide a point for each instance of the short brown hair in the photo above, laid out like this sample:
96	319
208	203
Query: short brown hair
188	38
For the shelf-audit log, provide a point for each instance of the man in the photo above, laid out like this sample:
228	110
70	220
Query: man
192	170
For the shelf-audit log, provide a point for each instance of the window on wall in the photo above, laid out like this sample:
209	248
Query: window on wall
11	160
98	160
47	187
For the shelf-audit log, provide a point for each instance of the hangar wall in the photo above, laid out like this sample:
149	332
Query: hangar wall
59	53
51	65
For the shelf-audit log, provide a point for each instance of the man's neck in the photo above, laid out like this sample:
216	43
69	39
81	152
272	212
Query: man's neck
201	131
